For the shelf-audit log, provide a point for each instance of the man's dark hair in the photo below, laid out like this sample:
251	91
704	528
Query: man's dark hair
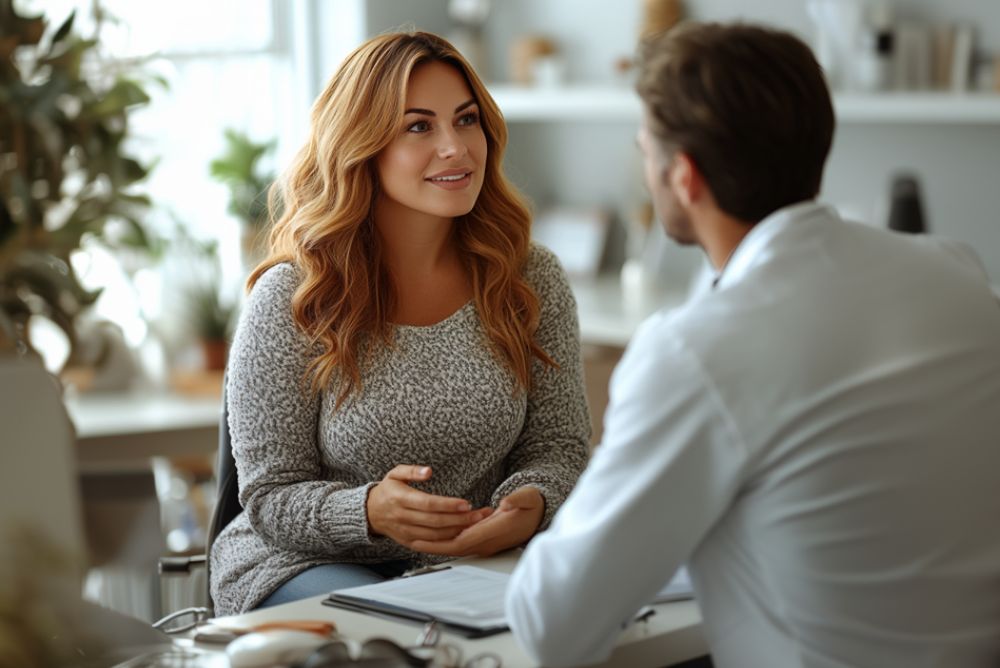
748	104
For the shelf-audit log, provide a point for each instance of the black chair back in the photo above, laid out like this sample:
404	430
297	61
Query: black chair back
227	504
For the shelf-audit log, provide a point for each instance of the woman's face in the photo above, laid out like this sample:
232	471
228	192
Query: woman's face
435	164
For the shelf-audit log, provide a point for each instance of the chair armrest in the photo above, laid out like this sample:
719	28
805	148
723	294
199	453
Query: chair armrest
181	565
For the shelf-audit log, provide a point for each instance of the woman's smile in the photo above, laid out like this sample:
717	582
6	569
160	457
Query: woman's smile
451	179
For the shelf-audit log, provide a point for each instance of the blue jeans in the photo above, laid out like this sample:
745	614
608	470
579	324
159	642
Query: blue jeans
325	578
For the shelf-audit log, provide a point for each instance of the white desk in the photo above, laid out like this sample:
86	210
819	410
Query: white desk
609	316
670	636
122	430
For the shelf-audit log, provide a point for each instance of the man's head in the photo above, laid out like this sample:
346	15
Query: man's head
739	113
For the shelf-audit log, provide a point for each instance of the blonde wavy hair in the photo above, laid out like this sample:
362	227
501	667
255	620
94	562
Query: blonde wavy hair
326	227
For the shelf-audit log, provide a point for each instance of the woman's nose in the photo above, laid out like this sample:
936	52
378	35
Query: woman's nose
451	146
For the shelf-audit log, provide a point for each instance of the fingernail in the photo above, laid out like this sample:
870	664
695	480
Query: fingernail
426	470
465	506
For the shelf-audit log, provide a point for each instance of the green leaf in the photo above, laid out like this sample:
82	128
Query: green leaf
35	275
135	235
129	171
123	94
65	28
136	199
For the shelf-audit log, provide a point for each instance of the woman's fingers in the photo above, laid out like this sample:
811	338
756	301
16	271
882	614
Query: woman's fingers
417	533
526	497
409	473
442	520
474	540
414	499
408	515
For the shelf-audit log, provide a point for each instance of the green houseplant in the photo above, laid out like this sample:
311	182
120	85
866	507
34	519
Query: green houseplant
206	310
64	169
239	168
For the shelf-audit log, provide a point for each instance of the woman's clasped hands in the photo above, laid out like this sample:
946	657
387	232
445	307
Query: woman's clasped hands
449	526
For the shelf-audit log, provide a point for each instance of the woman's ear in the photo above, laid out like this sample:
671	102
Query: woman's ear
684	178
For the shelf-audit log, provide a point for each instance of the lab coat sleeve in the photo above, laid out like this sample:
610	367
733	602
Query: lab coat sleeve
668	467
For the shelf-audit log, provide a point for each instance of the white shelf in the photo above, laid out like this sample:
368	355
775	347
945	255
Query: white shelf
611	104
588	103
954	108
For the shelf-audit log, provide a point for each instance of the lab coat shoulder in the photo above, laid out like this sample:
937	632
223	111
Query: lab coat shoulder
667	371
669	465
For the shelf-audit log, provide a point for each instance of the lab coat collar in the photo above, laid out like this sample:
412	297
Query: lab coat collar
748	252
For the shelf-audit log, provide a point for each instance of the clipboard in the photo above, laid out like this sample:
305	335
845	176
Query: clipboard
465	600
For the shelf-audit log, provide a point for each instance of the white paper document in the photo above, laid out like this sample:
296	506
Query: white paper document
460	595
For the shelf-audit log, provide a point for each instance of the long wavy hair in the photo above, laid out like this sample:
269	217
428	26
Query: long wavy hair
326	227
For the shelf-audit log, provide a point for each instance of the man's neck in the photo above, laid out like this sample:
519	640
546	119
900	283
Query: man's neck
720	234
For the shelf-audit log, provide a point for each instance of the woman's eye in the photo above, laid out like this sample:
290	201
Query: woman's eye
469	119
419	126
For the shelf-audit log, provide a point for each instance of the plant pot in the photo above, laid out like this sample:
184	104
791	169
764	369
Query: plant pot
214	353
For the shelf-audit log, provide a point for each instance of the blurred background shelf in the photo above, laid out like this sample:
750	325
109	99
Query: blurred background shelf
566	103
919	107
598	103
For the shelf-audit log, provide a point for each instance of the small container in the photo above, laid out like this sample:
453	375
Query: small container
906	212
875	66
524	52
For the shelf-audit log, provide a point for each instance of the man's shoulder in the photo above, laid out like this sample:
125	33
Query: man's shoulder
673	331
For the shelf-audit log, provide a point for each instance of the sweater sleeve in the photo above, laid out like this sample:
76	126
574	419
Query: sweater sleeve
273	422
551	451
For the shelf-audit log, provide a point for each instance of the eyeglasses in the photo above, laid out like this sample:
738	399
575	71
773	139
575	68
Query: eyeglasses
182	620
384	653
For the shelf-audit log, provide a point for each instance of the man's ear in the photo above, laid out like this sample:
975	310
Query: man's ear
684	178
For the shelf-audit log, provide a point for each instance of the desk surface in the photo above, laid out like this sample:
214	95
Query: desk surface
670	636
609	315
101	415
121	429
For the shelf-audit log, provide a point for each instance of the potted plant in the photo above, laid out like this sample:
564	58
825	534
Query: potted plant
64	169
64	173
212	318
239	168
209	314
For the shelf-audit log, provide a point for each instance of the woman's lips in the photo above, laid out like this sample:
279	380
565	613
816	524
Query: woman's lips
453	182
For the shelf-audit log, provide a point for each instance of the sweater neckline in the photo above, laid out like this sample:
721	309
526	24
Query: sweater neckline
456	315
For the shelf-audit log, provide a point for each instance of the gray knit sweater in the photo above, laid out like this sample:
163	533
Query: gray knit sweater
439	396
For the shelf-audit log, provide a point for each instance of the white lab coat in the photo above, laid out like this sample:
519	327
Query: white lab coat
819	438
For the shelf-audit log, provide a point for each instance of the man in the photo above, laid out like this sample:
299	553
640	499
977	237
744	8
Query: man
818	437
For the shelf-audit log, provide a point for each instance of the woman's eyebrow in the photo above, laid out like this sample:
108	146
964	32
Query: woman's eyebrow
428	112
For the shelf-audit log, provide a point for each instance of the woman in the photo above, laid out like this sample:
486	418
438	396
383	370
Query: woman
405	384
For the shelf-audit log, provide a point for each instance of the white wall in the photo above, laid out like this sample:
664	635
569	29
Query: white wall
596	162
959	166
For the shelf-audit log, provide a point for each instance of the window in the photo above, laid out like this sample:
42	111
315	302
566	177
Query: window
228	63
